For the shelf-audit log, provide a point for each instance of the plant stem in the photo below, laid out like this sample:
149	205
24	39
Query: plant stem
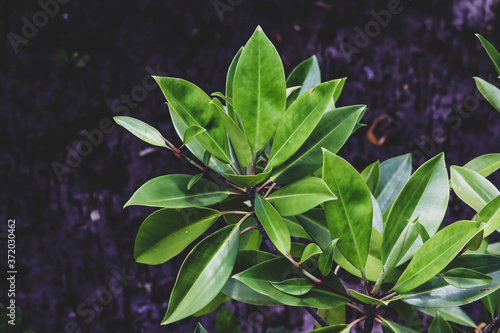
493	326
370	317
269	190
356	308
252	227
263	185
316	316
380	280
234	212
357	321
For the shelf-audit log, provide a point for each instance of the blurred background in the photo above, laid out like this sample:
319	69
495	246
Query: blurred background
68	66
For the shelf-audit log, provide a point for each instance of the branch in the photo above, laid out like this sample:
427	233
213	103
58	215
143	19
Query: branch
316	316
493	326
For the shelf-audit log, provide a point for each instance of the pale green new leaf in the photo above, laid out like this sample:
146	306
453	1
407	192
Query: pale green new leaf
492	52
371	175
325	260
167	232
301	196
310	251
299	121
390	327
490	214
490	92
203	274
296	287
171	191
367	299
350	216
229	85
259	90
484	165
475	190
273	224
248	180
191	132
194	180
141	130
437	253
466	278
394	173
306	75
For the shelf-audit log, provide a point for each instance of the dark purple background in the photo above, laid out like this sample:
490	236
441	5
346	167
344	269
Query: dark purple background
72	233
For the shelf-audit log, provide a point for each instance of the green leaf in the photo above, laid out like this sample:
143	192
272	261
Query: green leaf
350	217
408	313
301	196
226	322
213	305
394	173
314	223
425	196
402	245
248	180
378	219
331	133
289	91
390	327
141	130
310	251
193	106
371	175
238	139
299	121
235	203
490	303
332	316
171	191
167	232
436	253
342	328
472	188
230	85
466	278
294	287
191	132
437	293
320	297
194	180
203	274
252	239
306	75
196	148
259	89
200	329
484	165
452	314
273	224
295	228
325	260
490	92
492	52
439	325
367	299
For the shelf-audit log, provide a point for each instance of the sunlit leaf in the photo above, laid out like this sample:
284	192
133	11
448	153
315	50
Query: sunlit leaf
141	130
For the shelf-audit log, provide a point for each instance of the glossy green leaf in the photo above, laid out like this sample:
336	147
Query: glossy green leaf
259	89
191	132
225	321
475	243
299	121
194	180
332	316
238	139
390	327
394	173
439	325
492	52
367	299
371	175
167	232
475	190
295	228
203	274
301	196
193	106
331	133
310	251
490	303
239	291
200	329
451	314
320	297
402	245
251	239
378	219
297	249
289	92
296	287
273	224
466	278
306	75
248	180
342	328
325	260
425	196
489	91
197	149
229	85
213	305
314	223
436	253
437	293
171	191
350	216
484	165
408	314
141	130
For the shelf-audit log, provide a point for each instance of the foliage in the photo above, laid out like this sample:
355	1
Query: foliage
296	211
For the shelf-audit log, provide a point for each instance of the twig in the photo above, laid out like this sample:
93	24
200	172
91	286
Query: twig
252	227
269	190
493	326
316	316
